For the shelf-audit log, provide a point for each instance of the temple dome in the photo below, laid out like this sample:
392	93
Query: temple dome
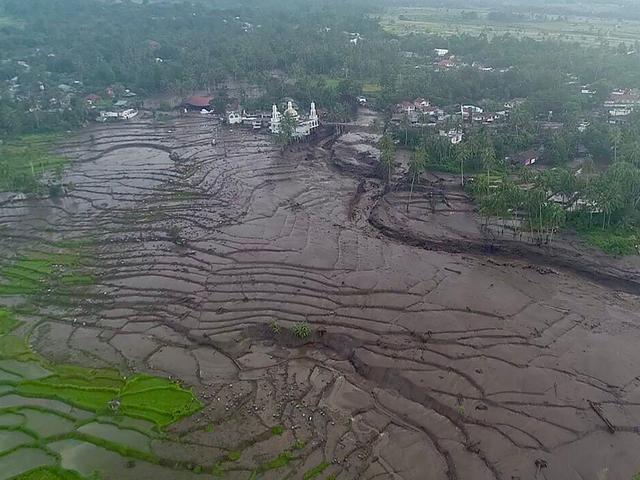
290	111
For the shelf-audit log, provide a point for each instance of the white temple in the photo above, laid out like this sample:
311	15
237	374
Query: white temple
305	126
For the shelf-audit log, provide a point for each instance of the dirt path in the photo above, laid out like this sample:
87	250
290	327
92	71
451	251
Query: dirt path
420	364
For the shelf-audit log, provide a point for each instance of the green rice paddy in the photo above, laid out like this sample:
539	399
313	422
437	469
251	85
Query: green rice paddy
50	411
23	160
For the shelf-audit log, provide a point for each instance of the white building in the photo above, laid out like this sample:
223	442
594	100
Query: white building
454	136
128	114
441	52
621	104
234	118
304	126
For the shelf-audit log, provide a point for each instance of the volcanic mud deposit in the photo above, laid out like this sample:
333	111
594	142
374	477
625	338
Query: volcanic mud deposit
320	347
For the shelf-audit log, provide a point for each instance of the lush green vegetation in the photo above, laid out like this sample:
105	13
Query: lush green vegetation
49	473
37	272
8	321
154	399
600	200
106	393
617	241
24	159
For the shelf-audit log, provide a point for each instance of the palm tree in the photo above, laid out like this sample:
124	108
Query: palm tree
463	155
416	167
488	156
405	126
387	155
616	138
632	152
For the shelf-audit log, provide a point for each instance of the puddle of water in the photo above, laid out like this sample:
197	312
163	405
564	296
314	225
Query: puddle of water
46	424
86	458
23	460
129	438
12	439
18	401
28	370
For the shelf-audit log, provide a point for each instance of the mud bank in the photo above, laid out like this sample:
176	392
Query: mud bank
315	342
388	217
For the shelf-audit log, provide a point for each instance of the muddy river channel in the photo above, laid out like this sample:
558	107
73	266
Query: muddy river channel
320	345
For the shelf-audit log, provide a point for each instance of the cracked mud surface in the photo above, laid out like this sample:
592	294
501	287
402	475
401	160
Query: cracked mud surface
421	364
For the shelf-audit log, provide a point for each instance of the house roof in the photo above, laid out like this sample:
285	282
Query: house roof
198	101
526	157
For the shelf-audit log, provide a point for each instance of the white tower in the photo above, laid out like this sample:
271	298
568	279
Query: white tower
275	120
313	115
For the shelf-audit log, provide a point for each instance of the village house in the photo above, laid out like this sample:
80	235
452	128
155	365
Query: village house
513	103
621	103
92	99
441	52
586	90
481	67
454	136
197	102
445	64
406	107
469	111
525	159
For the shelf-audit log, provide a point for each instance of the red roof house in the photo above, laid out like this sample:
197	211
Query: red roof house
197	102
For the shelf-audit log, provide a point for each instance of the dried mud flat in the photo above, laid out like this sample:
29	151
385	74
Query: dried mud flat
420	364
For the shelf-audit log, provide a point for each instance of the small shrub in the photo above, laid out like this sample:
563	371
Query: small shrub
302	330
275	327
234	456
277	430
56	190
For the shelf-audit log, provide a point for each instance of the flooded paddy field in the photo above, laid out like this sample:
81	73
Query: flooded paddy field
317	344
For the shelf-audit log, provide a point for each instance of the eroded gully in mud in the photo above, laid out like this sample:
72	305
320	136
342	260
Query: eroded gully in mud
421	364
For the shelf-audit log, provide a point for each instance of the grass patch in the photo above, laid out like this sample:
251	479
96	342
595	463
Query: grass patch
155	399
613	241
8	321
277	430
37	272
24	159
371	88
49	473
280	461
315	471
15	348
234	456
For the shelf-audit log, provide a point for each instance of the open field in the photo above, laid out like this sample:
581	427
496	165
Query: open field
477	21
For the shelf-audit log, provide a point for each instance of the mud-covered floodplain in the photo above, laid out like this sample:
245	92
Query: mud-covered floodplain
236	314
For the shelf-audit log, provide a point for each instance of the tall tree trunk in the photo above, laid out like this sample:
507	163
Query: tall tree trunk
411	192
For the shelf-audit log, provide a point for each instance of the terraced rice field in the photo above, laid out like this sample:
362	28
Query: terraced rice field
316	347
